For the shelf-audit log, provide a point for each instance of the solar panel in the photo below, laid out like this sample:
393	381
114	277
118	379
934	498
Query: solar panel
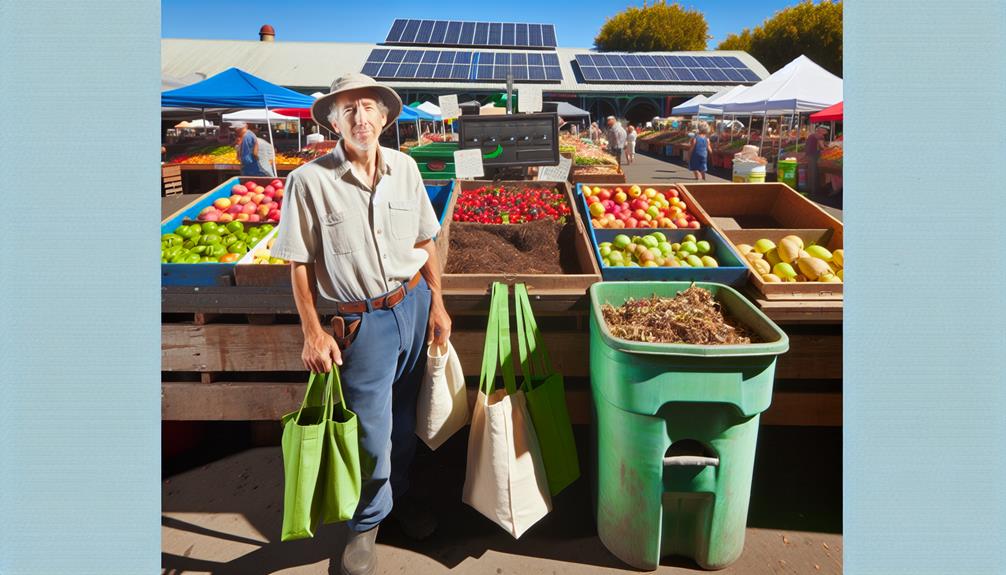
439	32
462	65
495	34
735	62
467	33
508	35
701	75
647	68
717	75
521	34
548	36
409	34
425	29
481	33
396	30
534	35
733	75
453	33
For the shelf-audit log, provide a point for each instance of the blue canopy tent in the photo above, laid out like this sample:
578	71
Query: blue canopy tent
235	88
410	113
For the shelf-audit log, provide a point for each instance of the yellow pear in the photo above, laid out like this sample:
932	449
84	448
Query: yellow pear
761	266
838	256
795	240
772	256
771	278
744	249
812	267
789	249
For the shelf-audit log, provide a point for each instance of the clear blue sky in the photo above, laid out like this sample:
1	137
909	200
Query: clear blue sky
576	23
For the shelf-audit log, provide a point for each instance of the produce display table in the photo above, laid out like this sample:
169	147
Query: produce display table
233	352
200	178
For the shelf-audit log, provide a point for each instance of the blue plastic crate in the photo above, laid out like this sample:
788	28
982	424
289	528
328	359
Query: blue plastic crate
732	270
440	194
203	274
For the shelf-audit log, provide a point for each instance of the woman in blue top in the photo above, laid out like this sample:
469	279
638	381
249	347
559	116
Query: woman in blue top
699	147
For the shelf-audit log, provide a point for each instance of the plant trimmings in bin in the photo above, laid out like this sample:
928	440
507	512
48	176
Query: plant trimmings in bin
692	316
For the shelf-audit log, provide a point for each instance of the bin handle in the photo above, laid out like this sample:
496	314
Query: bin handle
691	461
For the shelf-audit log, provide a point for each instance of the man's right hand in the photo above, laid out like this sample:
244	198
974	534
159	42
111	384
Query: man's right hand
320	350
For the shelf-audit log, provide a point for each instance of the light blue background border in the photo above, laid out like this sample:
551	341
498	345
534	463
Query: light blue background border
925	328
925	404
79	302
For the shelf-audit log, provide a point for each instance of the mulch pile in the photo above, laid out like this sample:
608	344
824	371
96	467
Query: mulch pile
538	247
692	316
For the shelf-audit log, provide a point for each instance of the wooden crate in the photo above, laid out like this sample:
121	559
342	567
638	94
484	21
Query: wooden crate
612	178
171	180
556	284
770	205
799	290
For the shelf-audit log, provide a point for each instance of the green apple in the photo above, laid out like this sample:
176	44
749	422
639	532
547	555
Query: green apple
660	236
215	250
185	231
199	249
605	251
689	246
229	239
235	227
689	238
621	241
207	259
665	248
173	239
695	261
237	247
704	247
709	262
191	258
267	228
650	241
210	228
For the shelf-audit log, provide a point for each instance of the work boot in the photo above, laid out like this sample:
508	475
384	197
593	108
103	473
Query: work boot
414	517
360	556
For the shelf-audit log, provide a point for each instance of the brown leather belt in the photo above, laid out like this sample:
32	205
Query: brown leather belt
386	301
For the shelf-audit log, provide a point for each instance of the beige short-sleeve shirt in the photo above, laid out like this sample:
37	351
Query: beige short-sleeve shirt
361	240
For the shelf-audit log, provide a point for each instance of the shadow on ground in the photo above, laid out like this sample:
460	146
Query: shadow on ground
797	487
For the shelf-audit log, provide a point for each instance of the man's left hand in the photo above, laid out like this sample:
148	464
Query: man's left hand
439	329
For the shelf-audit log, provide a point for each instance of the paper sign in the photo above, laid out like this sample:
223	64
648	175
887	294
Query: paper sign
555	173
468	163
529	99
449	106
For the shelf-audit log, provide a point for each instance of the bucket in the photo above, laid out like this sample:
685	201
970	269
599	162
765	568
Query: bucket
746	172
787	172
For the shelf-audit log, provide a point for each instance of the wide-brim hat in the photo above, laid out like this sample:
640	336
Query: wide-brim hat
323	105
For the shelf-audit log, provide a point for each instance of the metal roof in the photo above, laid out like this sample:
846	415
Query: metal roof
313	65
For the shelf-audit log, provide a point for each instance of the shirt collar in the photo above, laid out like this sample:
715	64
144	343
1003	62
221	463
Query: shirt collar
343	165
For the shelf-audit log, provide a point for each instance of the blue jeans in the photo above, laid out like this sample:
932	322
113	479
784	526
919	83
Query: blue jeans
381	371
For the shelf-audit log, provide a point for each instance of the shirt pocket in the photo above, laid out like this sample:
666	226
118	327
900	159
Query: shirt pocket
404	216
340	233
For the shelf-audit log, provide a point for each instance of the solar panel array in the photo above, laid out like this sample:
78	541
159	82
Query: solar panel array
636	68
480	34
476	66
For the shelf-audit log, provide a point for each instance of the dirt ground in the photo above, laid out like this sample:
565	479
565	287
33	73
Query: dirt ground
225	517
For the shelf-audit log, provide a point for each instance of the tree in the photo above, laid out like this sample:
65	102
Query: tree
660	27
814	30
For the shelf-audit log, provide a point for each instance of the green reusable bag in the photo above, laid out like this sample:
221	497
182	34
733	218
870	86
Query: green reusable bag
342	475
304	434
546	399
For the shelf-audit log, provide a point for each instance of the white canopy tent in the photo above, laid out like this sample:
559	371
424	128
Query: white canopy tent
714	105
690	107
430	108
800	86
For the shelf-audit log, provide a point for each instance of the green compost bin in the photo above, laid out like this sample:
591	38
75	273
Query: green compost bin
436	160
675	432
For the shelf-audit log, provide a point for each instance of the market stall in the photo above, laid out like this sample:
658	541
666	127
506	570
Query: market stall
215	366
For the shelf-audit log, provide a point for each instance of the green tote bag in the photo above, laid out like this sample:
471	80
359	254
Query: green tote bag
342	474
546	399
304	434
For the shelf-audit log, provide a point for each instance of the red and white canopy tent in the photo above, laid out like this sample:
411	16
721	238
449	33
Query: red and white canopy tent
829	114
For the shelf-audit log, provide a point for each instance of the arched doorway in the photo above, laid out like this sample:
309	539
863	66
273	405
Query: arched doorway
600	109
641	110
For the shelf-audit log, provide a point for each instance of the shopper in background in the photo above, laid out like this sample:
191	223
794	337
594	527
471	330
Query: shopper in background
630	144
266	156
699	148
247	148
616	138
595	133
815	143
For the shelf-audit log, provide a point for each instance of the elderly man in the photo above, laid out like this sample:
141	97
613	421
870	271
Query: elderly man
357	225
615	134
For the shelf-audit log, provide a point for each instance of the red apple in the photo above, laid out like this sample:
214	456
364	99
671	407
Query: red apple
269	194
226	218
258	198
244	200
207	210
604	195
671	193
242	217
681	223
620	197
269	188
592	200
279	193
639	214
238	189
264	211
694	224
234	209
274	215
631	223
222	203
249	208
